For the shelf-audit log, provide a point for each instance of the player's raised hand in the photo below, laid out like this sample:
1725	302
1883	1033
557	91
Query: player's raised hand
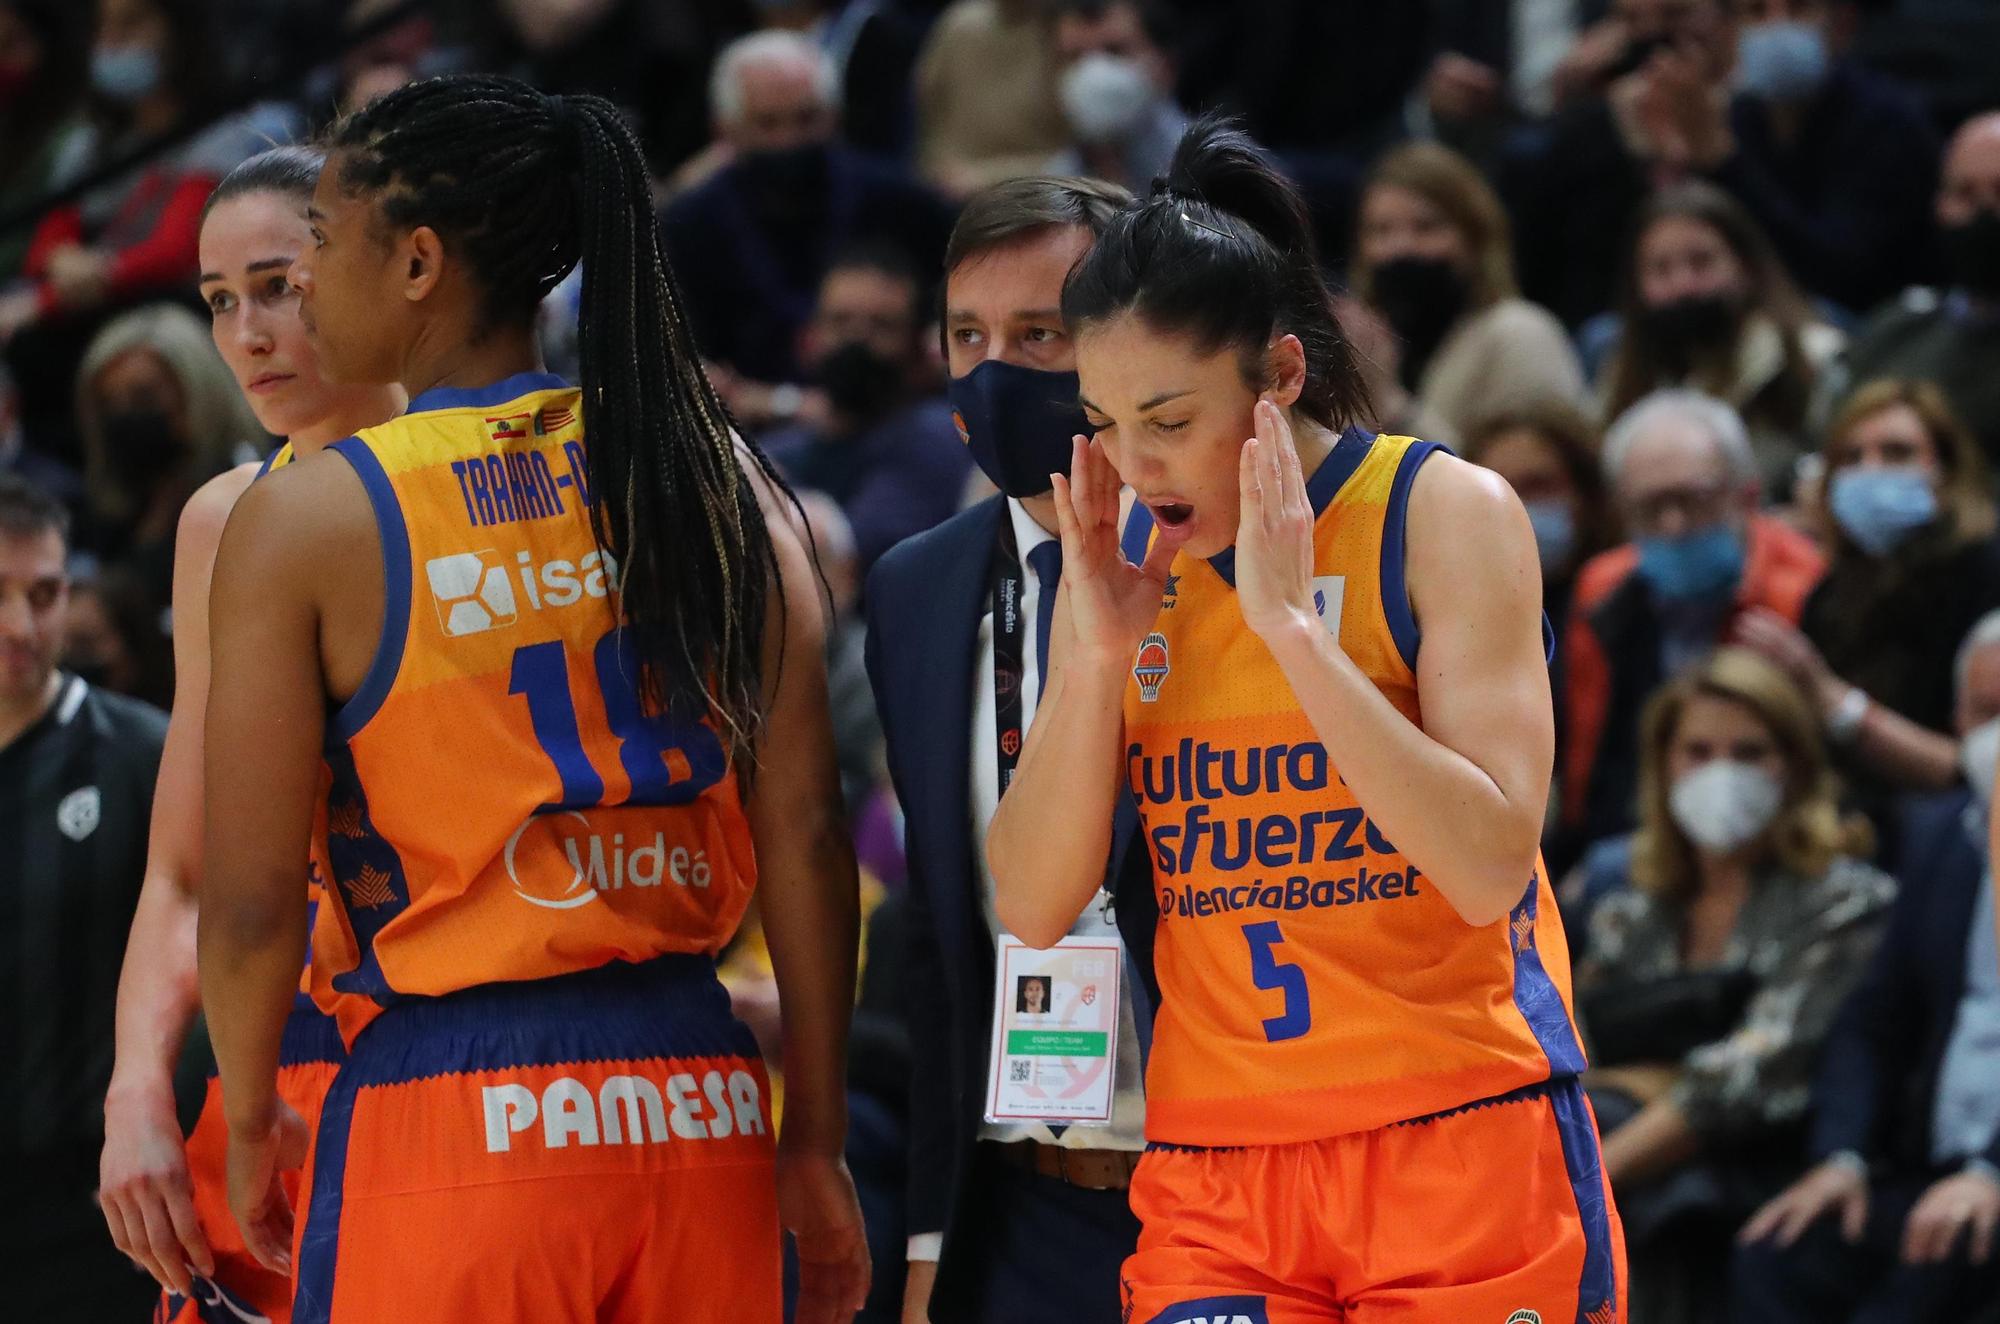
1112	603
818	1206
1274	537
256	1191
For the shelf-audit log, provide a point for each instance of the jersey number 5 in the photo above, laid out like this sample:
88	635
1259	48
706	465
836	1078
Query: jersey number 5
1267	972
668	760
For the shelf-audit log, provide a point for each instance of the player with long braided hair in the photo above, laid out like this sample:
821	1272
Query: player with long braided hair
539	669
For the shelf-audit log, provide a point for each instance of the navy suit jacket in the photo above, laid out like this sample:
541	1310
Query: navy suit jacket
1878	1079
924	600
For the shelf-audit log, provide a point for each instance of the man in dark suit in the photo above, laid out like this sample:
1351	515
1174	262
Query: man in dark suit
1896	1223
1021	1220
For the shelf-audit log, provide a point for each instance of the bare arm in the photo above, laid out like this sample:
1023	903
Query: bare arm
810	902
266	716
143	1178
1463	795
1656	1140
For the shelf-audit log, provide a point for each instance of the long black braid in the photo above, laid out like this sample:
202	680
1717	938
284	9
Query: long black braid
525	185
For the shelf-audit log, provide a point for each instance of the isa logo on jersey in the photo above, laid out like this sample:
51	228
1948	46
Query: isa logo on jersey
1151	667
473	592
1329	593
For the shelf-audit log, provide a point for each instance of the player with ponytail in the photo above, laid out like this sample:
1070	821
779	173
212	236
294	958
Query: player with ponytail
531	650
1318	665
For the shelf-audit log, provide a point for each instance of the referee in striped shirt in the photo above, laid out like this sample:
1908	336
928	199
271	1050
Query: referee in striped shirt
77	767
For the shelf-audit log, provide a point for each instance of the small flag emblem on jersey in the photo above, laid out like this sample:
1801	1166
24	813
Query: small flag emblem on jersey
553	420
1329	595
472	591
511	428
1151	667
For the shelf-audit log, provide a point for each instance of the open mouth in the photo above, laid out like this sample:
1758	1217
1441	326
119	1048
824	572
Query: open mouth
1173	514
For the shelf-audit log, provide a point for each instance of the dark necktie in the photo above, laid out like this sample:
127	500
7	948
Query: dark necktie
1047	563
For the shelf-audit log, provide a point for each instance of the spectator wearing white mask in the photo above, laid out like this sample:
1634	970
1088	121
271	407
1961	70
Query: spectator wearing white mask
1116	85
1714	976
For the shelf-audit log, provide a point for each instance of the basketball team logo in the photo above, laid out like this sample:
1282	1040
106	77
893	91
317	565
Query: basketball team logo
1010	741
1151	667
472	591
1525	1317
964	432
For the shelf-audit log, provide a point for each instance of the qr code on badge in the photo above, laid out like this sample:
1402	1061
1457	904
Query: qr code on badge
1018	1072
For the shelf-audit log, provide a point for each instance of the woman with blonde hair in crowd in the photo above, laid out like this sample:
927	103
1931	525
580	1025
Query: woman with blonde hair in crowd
1909	517
160	415
1704	301
1436	307
1713	977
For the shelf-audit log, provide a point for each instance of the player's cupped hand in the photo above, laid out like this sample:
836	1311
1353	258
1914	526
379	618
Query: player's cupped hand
818	1206
1274	534
257	1163
1112	603
145	1193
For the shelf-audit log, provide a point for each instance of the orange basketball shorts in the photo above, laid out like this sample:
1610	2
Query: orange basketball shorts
242	1291
1494	1213
591	1147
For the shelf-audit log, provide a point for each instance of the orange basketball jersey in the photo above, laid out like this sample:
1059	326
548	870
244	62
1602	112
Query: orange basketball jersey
1314	982
502	807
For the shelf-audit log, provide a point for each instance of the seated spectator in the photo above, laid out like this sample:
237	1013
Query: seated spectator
890	457
1713	978
134	238
752	243
1434	261
1685	483
44	63
1705	303
1831	159
1548	455
160	414
1894	1223
1116	80
1915	564
987	103
1949	336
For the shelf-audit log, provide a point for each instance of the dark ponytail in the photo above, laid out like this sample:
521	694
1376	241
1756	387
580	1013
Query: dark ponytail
1223	252
524	186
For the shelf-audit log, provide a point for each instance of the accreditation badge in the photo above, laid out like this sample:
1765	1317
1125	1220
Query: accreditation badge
1055	1031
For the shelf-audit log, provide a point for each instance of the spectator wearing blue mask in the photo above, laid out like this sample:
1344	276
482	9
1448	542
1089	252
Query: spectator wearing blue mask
1702	556
1915	564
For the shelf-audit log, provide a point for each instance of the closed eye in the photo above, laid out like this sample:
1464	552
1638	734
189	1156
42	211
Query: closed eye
1159	426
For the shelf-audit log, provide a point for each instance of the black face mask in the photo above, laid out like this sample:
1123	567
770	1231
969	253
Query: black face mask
1972	252
1683	327
142	447
790	175
1422	297
862	384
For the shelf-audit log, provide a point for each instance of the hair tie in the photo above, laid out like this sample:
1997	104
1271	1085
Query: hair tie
1203	225
568	119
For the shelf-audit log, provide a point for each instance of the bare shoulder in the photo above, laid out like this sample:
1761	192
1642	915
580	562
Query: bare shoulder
312	509
207	511
1469	539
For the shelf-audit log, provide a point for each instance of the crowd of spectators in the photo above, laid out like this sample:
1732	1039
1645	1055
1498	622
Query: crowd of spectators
1714	284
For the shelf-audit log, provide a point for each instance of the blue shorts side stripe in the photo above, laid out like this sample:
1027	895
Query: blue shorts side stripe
1598	1286
319	1244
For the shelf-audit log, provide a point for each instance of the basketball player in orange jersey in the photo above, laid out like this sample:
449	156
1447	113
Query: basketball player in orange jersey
562	653
1326	688
166	1202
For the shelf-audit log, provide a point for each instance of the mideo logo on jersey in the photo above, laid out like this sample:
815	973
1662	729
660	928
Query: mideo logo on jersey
598	861
475	592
